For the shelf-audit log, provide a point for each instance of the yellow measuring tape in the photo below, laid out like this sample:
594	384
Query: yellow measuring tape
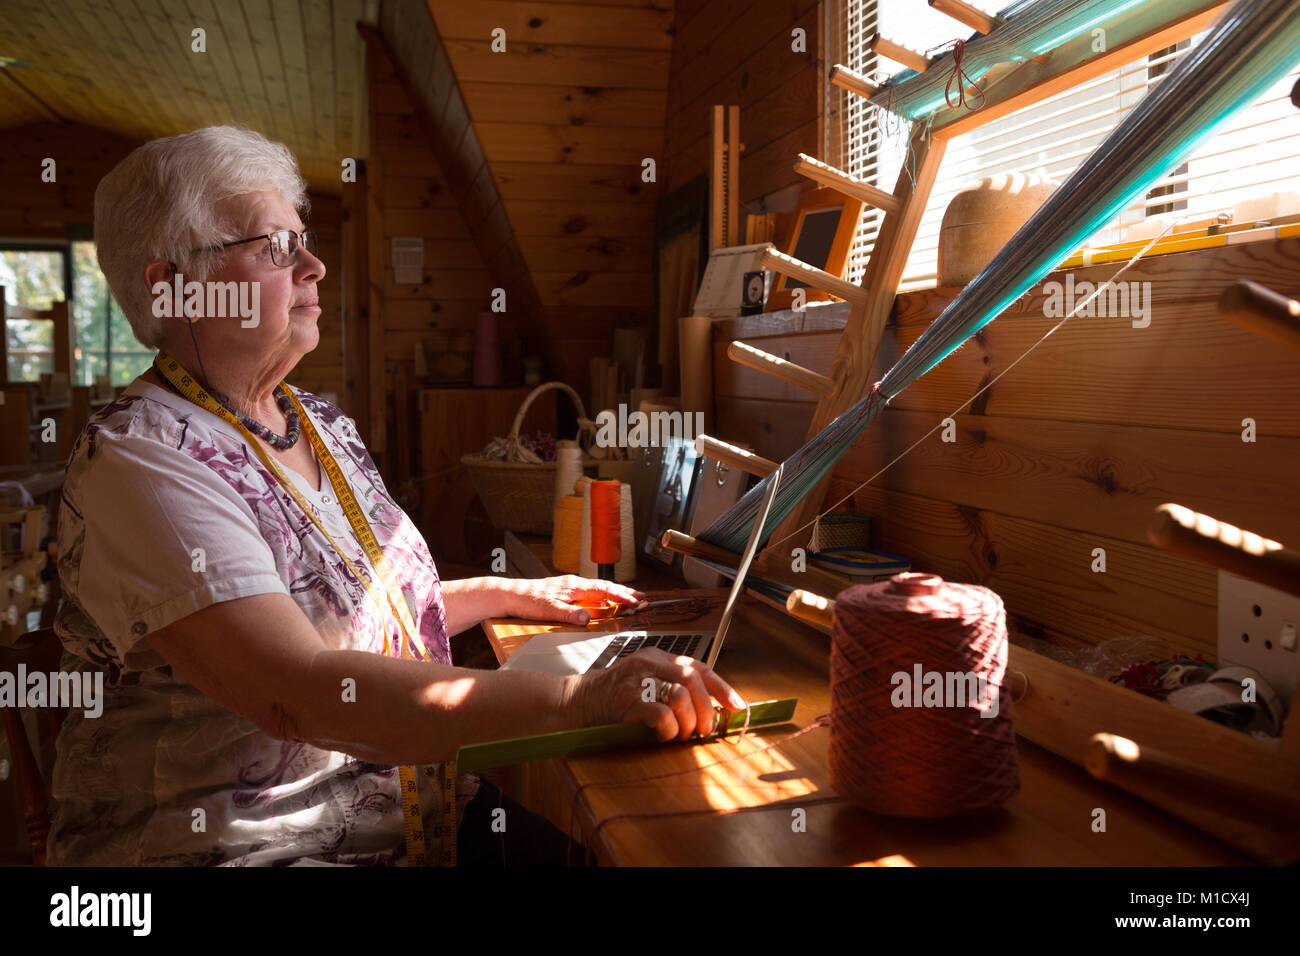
409	639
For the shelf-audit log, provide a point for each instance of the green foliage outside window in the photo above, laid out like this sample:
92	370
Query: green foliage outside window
33	278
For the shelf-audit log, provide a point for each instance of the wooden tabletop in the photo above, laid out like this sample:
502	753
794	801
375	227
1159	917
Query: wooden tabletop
744	811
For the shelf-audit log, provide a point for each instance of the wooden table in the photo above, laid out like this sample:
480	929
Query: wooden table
744	812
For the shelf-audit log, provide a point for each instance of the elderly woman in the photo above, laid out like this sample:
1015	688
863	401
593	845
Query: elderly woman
276	664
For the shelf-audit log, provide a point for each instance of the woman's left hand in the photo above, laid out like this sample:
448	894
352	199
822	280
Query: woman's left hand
552	599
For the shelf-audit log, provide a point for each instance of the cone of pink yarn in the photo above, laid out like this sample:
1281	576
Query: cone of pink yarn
913	748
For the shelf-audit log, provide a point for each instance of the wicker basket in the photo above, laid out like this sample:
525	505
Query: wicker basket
518	495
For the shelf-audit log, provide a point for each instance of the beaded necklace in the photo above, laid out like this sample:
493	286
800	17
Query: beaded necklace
280	442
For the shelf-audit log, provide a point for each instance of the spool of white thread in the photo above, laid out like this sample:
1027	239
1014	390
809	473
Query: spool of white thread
568	469
625	569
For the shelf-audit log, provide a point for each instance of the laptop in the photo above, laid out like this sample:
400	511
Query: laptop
576	652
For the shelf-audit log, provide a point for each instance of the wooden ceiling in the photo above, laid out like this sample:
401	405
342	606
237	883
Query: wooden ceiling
291	69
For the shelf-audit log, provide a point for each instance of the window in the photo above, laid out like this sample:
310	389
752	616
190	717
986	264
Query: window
105	342
36	277
1247	169
32	277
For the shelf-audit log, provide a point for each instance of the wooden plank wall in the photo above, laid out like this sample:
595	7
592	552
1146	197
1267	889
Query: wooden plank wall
321	370
408	37
414	199
565	117
1071	450
32	209
741	53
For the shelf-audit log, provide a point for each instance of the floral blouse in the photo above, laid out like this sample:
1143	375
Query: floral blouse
167	510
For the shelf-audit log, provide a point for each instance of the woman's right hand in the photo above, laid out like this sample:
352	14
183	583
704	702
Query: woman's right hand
629	690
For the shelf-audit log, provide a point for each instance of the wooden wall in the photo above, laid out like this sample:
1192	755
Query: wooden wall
32	209
565	117
412	198
741	53
1069	451
321	370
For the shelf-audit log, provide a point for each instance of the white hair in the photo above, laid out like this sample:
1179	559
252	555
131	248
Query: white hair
160	203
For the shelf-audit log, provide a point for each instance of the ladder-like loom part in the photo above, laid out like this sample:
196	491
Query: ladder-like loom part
778	367
973	17
818	278
844	184
852	81
912	59
734	456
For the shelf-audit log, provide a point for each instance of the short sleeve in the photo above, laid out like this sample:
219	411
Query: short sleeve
164	536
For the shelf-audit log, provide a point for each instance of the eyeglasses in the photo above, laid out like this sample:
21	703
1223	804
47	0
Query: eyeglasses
284	244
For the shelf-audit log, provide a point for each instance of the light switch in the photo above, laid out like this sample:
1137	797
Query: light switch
1288	635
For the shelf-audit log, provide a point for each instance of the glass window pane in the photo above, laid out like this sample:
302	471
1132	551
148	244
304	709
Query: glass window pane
129	365
92	364
32	277
31	349
89	300
124	339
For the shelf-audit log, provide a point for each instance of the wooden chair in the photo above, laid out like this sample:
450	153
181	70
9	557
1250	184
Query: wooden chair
38	650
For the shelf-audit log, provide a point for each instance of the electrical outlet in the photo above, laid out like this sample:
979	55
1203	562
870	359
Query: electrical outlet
1257	629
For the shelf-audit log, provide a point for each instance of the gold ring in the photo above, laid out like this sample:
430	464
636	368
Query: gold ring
665	691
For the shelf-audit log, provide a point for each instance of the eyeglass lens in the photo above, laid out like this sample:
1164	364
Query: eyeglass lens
284	245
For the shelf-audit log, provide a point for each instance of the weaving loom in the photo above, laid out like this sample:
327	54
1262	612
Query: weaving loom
1200	772
1253	46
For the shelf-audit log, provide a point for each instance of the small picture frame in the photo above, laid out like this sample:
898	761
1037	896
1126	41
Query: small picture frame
822	234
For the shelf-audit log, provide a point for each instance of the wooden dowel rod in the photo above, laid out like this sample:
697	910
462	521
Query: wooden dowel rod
1262	311
842	182
896	51
852	81
685	544
778	367
734	456
1202	538
1122	761
1063	707
810	607
817	278
974	18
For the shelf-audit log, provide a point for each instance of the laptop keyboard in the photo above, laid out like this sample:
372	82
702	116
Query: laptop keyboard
624	644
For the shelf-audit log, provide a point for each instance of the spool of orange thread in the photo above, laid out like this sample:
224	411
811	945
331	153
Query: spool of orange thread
920	711
606	526
567	539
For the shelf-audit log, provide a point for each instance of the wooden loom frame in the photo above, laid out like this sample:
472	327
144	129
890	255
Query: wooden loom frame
1231	785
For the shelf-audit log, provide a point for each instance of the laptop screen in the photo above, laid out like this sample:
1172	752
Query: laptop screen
751	547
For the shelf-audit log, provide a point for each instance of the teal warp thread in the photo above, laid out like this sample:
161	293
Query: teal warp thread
1252	47
1027	29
